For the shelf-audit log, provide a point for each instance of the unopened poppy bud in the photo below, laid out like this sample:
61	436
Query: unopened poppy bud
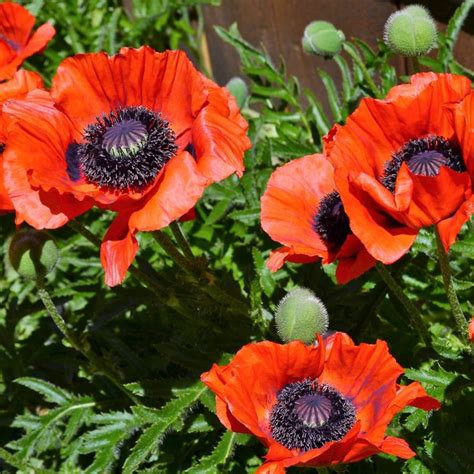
410	31
239	90
33	254
322	38
300	316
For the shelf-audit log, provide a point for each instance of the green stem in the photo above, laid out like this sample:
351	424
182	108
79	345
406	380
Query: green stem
411	309
75	342
181	240
204	279
146	280
352	52
449	289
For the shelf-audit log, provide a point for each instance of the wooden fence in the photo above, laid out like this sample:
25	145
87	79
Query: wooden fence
279	26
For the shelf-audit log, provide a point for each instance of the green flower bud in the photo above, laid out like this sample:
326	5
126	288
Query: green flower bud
410	31
300	316
33	254
322	38
238	88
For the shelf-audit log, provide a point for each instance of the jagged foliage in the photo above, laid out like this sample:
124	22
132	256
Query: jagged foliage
59	414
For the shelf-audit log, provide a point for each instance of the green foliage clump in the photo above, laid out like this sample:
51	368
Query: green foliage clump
60	413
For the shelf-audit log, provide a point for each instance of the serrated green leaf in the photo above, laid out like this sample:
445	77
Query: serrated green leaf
50	392
219	457
332	94
165	418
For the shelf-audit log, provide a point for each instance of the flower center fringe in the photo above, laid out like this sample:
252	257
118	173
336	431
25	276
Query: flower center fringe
123	151
307	416
424	157
331	222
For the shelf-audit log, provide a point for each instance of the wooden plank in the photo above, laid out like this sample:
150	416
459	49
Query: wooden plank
278	25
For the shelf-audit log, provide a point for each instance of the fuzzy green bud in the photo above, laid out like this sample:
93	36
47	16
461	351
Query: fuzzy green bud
322	38
410	31
33	254
239	90
300	316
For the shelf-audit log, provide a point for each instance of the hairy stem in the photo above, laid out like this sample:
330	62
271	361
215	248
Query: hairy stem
181	239
449	289
411	309
143	277
76	343
352	52
205	280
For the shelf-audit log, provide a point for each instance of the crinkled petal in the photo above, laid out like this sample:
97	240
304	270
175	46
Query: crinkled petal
353	260
281	255
291	201
250	383
164	82
118	250
178	190
219	136
37	183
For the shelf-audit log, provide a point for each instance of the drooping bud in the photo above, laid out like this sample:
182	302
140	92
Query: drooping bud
322	38
300	316
410	31
33	254
239	90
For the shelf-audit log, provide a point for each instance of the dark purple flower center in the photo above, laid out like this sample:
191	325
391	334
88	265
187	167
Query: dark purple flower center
2	147
424	157
125	138
313	410
331	222
123	151
307	415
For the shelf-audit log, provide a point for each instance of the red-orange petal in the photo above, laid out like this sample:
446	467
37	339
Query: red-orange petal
219	135
177	191
16	41
464	127
38	41
385	239
285	254
249	384
164	82
118	250
38	184
353	260
471	330
366	375
291	201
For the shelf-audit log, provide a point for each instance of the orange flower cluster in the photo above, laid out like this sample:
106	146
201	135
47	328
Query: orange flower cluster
143	134
396	166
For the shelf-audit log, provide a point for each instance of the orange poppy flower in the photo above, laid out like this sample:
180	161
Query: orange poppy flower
18	87
471	330
302	210
401	164
140	133
17	41
315	406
